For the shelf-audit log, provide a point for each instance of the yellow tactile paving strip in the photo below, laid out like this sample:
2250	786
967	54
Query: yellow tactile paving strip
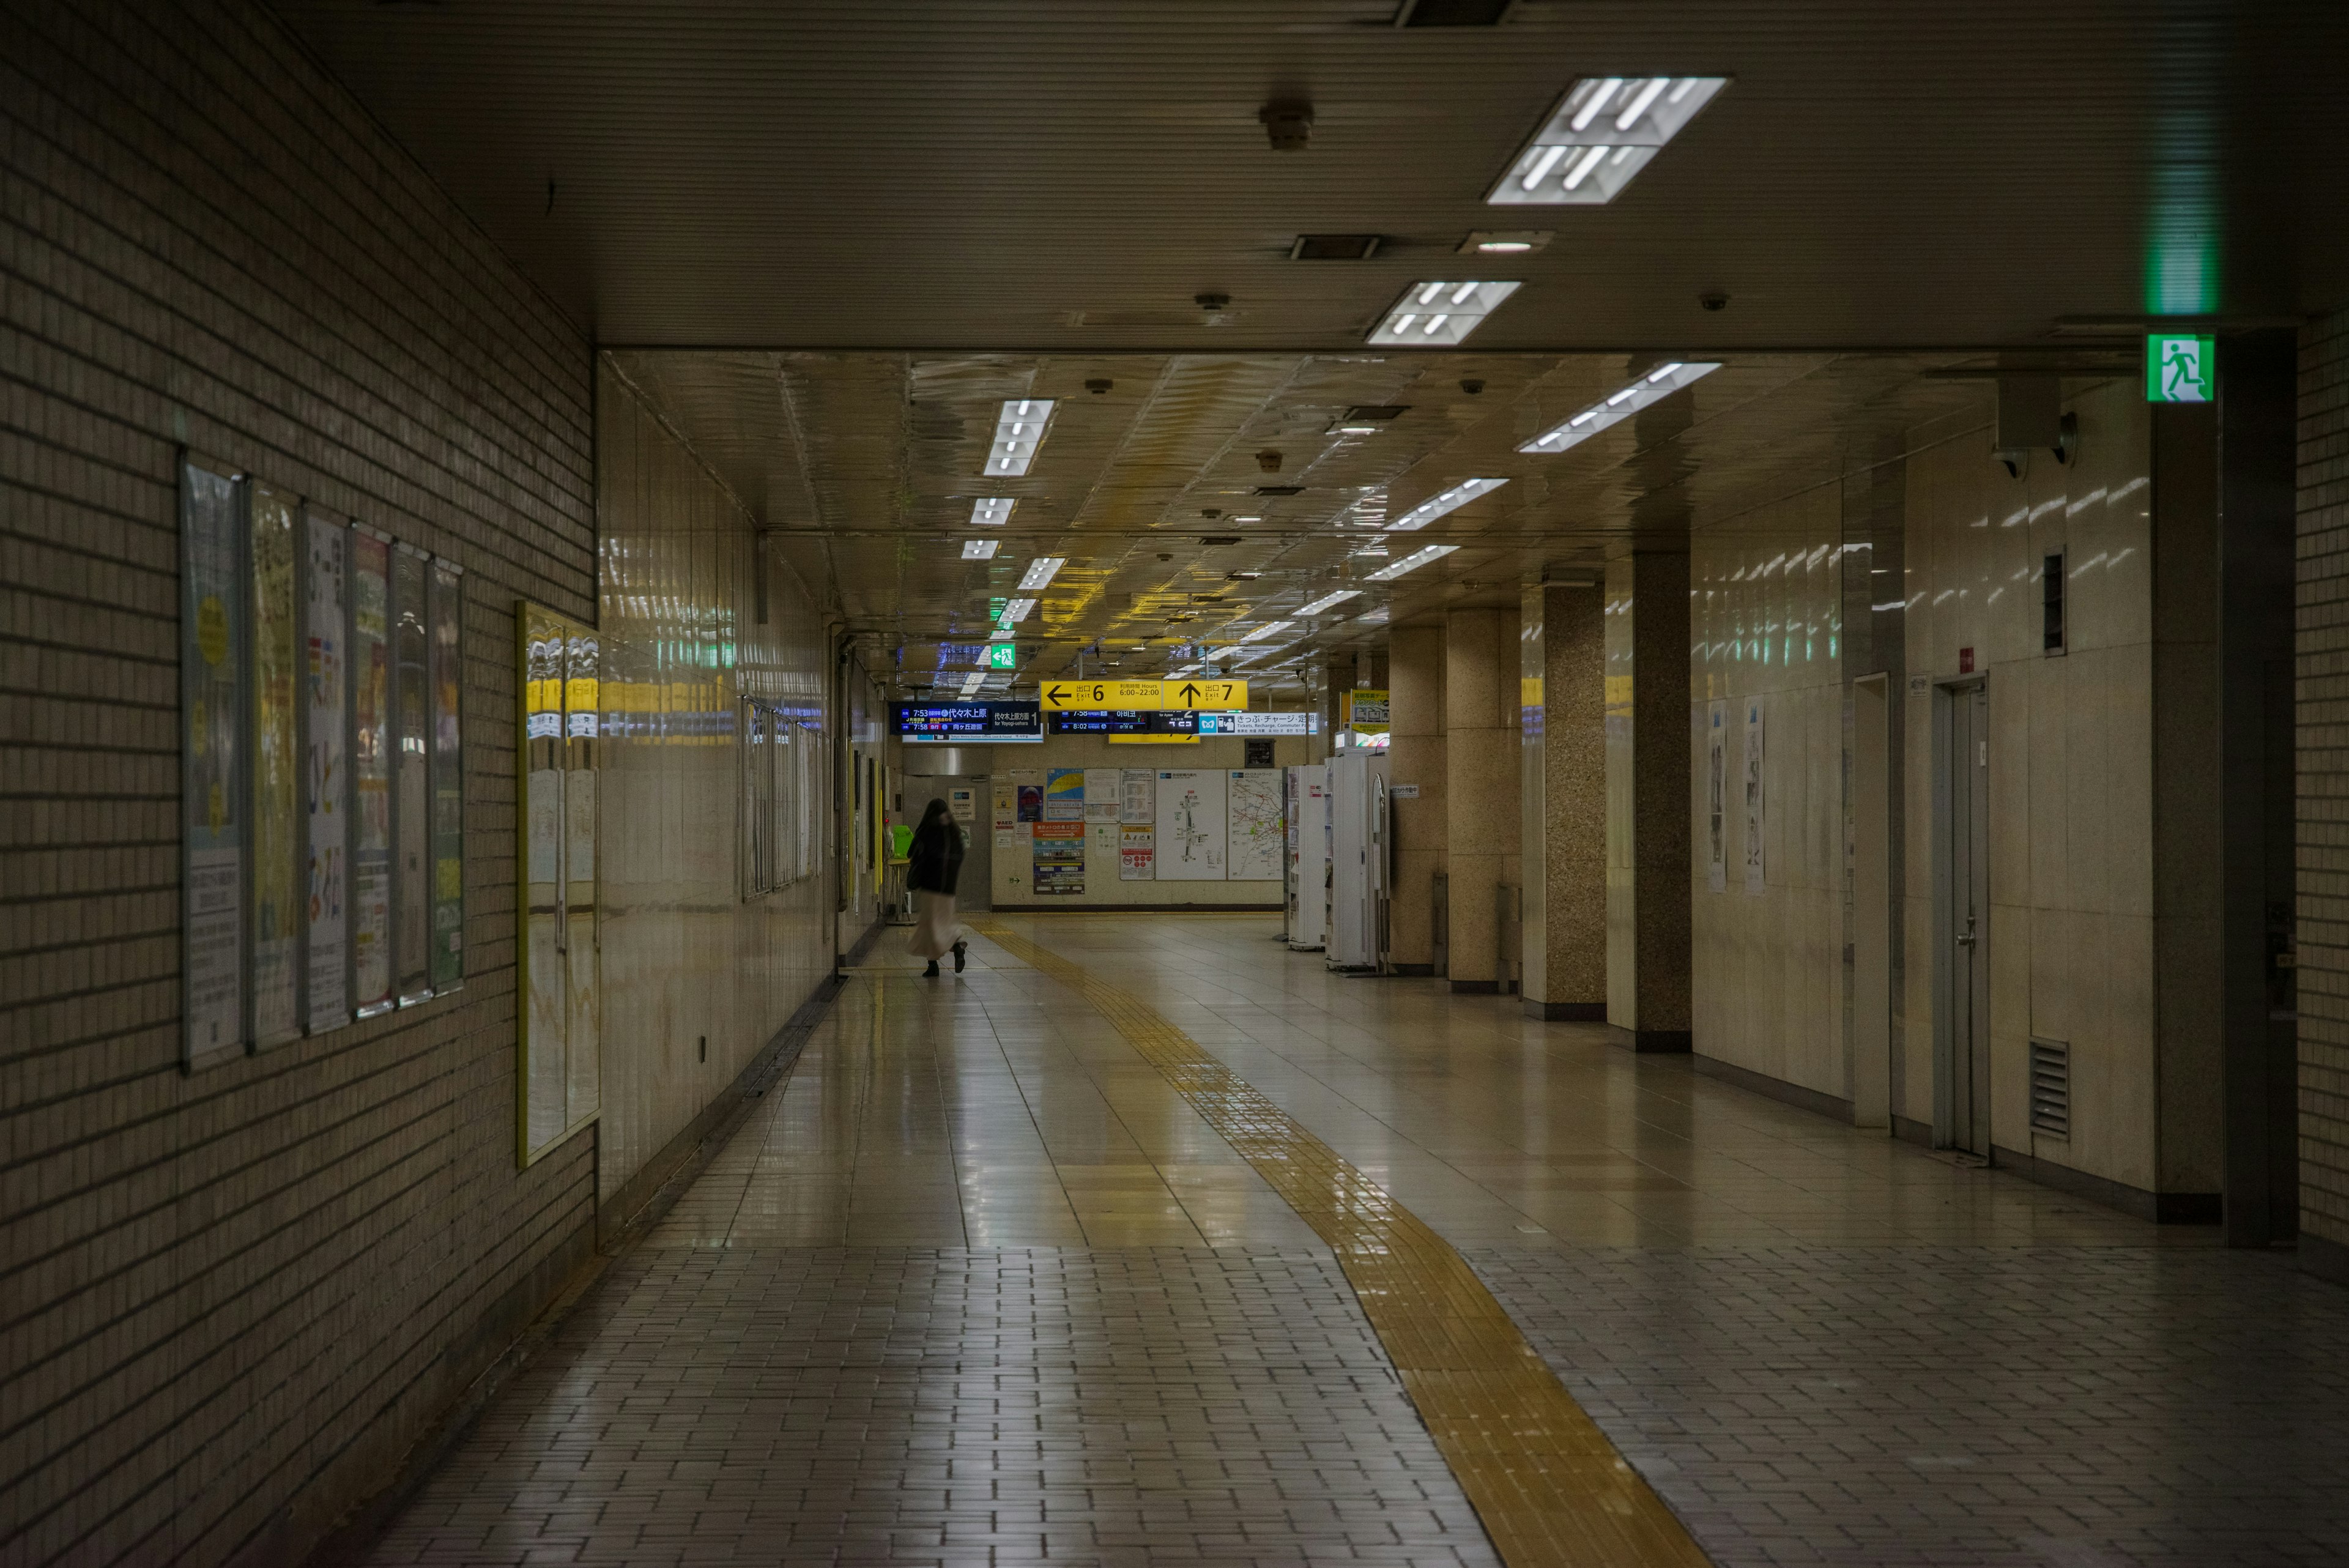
1549	1487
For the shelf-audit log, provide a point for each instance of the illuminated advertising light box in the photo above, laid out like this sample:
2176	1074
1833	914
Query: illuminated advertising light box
970	724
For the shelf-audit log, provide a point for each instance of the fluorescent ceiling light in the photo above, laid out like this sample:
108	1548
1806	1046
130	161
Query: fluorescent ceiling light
1601	133
1017	434
1015	612
1327	601
1039	570
973	682
1438	313
1002	636
1269	629
1452	500
1412	562
979	549
1504	241
1620	404
991	511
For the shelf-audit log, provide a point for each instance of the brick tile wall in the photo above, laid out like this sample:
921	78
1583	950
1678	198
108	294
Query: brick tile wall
2323	701
227	1302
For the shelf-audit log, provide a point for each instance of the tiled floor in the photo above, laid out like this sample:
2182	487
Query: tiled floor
977	1284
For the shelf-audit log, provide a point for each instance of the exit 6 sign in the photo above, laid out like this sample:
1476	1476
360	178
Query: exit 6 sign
2181	368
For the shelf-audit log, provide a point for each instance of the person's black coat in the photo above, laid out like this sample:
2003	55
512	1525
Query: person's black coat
935	861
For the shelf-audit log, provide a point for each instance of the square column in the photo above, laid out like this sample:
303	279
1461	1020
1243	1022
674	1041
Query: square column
1563	804
1480	745
1648	801
1416	778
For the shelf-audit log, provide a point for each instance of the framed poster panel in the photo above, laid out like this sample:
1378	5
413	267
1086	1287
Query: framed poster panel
411	779
371	772
325	773
280	851
212	793
1191	840
444	615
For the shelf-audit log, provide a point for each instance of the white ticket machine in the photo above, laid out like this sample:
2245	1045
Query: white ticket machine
1359	859
1308	858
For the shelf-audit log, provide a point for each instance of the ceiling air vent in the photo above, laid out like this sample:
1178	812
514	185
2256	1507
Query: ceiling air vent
2051	1088
1280	490
1334	247
1454	13
1220	539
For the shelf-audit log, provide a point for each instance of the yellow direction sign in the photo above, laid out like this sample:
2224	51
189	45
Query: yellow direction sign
1198	693
1097	696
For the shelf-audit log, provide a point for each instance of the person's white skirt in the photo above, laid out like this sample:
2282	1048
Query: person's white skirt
936	930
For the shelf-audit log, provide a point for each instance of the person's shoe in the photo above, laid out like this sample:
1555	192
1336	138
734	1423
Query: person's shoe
961	949
931	972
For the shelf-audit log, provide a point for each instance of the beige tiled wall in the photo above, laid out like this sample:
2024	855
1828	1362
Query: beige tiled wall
235	1298
1766	616
2071	875
2323	697
685	958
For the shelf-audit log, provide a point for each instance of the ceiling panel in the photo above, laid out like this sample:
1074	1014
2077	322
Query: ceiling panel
1069	178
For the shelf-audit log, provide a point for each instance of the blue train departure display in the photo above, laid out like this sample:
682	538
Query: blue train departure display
970	724
1126	721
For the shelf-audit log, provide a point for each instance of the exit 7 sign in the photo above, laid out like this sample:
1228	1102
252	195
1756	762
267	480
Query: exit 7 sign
2181	368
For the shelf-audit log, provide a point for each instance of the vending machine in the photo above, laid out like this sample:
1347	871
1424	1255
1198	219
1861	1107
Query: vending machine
1356	784
1308	858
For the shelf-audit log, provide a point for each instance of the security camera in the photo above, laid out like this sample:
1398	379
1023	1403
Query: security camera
1471	386
1714	299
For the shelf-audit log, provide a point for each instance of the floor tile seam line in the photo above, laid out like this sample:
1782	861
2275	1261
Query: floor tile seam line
1028	1105
953	1159
1510	1509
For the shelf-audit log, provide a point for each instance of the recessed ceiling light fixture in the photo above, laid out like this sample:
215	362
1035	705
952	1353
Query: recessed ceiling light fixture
1504	241
980	549
1439	313
1018	431
1330	601
1039	571
1004	635
1620	404
1269	629
991	511
1411	562
1452	500
1603	132
1015	612
973	682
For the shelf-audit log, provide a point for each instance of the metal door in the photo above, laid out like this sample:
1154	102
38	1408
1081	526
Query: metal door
1962	1109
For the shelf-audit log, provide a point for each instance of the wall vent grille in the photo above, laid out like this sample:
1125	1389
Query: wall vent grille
2051	1088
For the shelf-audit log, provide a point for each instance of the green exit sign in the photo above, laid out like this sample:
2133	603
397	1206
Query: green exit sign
1002	656
2181	368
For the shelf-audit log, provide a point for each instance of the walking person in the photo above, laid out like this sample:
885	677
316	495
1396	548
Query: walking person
933	863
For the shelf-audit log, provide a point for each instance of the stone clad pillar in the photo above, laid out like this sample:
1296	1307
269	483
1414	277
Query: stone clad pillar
1480	748
1648	801
1562	840
1415	761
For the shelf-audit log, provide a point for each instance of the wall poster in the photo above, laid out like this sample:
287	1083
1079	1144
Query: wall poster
1755	817
1255	825
1064	794
1059	857
446	619
1716	775
411	779
1104	796
1137	853
370	766
560	1071
1031	803
279	853
1138	801
212	760
1191	829
325	635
